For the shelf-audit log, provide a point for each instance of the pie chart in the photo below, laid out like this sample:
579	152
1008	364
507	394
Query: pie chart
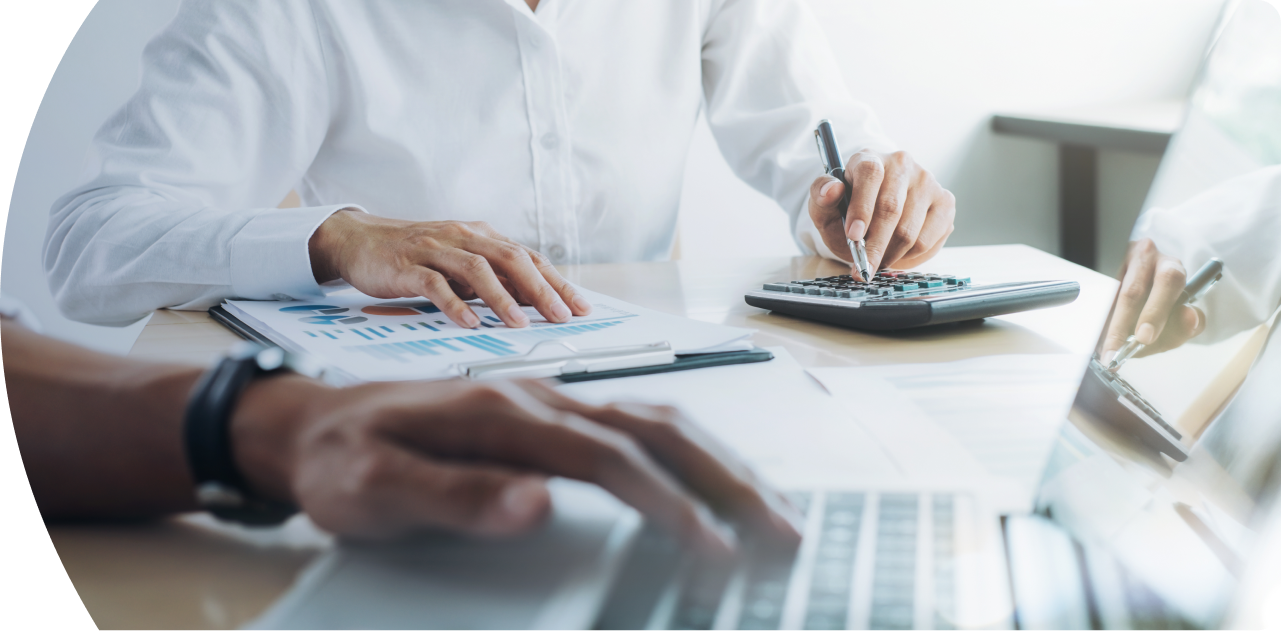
389	311
322	309
411	309
323	314
332	319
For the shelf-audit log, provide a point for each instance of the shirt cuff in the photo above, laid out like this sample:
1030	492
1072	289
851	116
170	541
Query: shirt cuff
808	237
270	258
13	309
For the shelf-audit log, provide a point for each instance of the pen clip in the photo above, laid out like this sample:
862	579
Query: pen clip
823	155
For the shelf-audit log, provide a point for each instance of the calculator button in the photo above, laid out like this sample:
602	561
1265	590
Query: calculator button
812	291
775	287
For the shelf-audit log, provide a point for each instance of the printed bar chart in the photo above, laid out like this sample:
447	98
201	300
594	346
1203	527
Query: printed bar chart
368	339
498	345
404	351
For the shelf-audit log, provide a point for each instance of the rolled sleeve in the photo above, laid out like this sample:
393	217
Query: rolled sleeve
270	258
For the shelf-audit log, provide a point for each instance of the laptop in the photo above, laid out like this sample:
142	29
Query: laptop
1121	534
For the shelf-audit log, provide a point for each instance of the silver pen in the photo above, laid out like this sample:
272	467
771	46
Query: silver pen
831	158
1198	284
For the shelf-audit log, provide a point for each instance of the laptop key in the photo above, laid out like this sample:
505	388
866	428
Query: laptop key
766	585
701	594
832	577
894	570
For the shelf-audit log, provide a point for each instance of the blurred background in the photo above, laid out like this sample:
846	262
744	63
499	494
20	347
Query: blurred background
935	71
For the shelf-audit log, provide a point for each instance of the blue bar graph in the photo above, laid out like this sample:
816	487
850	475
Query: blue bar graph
404	351
536	335
495	345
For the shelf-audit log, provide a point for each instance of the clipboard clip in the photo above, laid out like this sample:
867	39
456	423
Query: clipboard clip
556	357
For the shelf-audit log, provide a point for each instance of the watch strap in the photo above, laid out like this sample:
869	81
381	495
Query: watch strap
220	487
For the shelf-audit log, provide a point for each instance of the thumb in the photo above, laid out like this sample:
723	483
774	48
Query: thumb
825	192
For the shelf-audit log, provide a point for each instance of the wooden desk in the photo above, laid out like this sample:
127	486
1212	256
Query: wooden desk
188	573
1081	133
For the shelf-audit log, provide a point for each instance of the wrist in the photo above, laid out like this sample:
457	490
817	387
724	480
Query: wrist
271	415
324	248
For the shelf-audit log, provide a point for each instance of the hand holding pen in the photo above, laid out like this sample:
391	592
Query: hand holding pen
1154	310
887	201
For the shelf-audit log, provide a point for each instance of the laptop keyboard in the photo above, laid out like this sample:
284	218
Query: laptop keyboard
886	284
836	580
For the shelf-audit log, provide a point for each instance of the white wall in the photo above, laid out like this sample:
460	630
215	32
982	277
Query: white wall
935	71
100	70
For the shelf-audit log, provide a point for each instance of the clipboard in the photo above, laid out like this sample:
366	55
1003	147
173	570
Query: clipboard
559	359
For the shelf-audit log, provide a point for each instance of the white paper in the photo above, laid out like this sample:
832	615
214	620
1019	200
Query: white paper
1002	410
771	414
368	339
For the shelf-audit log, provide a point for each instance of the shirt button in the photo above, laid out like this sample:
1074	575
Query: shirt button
550	140
557	252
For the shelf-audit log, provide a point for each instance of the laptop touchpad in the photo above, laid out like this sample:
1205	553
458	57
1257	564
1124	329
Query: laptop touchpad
553	578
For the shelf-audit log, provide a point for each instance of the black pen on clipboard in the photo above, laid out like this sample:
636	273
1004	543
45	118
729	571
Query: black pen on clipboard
830	155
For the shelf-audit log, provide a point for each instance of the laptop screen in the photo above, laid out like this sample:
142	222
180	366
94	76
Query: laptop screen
1171	455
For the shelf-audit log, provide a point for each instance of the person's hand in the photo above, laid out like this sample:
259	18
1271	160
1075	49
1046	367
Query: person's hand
446	262
382	459
1146	304
897	207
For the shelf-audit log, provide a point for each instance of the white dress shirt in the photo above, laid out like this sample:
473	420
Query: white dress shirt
1239	222
566	129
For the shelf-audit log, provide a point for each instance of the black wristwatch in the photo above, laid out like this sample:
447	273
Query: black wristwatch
220	487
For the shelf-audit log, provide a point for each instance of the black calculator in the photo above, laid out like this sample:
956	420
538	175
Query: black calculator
902	300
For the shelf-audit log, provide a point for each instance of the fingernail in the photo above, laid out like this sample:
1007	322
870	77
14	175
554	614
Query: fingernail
581	304
470	320
787	518
857	229
518	315
560	311
1107	357
721	539
823	192
1145	334
519	504
522	499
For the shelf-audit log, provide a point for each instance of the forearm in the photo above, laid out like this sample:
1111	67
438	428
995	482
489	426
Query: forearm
769	78
113	255
100	436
